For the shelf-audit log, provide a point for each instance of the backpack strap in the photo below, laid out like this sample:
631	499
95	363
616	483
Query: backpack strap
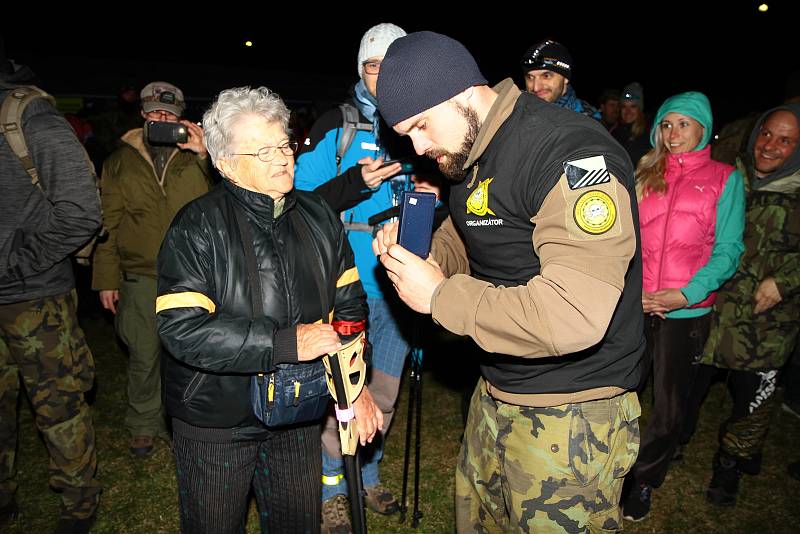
350	125
11	111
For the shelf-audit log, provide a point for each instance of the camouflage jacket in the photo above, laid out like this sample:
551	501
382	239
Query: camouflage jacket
740	339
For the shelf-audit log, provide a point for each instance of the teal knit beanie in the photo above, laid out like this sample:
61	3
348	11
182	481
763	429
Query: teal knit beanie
692	104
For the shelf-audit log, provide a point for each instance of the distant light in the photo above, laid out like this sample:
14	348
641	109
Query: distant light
763	8
248	43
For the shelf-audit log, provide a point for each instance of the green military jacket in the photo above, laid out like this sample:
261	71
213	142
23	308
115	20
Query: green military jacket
740	339
138	206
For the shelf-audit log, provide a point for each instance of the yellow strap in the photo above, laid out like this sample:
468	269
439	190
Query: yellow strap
332	481
296	389
348	277
185	300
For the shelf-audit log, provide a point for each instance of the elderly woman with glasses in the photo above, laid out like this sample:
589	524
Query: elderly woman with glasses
243	275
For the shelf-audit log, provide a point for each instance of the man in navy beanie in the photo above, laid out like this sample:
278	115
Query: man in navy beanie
539	264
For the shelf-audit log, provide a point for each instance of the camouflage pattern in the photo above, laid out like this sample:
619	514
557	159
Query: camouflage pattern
744	437
42	342
740	339
556	469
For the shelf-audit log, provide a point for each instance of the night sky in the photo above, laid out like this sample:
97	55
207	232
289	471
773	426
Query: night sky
739	57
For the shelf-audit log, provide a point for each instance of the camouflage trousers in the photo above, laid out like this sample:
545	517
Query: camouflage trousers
41	342
553	469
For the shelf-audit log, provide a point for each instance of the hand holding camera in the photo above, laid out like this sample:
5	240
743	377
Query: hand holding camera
185	134
195	142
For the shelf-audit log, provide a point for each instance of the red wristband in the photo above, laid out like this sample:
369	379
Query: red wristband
348	328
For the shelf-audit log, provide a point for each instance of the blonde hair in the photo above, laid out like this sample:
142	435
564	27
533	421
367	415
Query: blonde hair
651	168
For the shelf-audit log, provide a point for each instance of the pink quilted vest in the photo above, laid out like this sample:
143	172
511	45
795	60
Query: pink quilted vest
677	228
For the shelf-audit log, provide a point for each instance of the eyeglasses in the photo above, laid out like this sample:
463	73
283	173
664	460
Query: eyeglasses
161	115
372	67
267	153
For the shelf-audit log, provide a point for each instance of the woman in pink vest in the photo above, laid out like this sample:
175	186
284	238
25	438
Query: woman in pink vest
691	213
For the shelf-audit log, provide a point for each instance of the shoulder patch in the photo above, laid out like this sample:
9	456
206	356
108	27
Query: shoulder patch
586	172
595	212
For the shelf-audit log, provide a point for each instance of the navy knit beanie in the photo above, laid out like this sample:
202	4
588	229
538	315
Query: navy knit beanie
422	70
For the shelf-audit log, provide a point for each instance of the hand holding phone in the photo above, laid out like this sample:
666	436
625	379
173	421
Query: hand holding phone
416	222
375	171
406	167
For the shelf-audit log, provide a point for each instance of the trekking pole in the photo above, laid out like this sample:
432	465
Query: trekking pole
416	363
346	371
412	385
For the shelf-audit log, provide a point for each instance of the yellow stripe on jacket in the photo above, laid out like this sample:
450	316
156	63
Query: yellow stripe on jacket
348	277
185	300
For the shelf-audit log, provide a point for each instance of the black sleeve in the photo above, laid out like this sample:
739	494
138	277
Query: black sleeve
191	327
344	191
69	185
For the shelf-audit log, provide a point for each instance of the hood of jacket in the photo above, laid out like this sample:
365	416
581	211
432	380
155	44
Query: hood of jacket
790	166
692	104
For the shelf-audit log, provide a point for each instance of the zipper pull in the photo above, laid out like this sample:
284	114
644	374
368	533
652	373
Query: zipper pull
296	393
271	389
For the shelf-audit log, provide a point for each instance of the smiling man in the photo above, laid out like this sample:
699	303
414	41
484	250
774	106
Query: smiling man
547	69
539	265
755	325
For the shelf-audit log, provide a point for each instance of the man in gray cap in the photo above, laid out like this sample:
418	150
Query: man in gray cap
144	183
539	264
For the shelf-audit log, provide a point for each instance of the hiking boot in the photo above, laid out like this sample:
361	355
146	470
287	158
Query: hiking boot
75	526
336	516
379	499
724	485
637	504
141	446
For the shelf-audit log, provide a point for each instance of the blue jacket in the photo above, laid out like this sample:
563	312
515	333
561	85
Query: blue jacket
316	170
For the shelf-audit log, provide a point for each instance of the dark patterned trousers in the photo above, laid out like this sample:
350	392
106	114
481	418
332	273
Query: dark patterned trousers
284	470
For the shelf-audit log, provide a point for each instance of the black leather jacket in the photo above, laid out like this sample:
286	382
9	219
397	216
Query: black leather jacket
204	308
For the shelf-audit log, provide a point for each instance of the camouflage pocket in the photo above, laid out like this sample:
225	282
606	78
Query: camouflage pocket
550	428
589	433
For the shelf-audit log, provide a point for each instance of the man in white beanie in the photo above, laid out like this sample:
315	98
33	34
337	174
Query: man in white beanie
343	160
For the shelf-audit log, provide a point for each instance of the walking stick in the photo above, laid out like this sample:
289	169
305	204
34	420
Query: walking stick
414	412
346	371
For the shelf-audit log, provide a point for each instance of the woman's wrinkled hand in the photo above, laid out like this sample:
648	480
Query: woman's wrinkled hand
315	340
369	418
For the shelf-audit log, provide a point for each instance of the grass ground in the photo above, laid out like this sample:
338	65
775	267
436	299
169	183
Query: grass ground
140	495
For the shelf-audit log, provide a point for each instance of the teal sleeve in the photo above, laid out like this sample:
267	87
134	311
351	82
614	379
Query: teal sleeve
728	245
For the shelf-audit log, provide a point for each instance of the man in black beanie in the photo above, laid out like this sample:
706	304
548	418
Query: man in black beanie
547	69
538	264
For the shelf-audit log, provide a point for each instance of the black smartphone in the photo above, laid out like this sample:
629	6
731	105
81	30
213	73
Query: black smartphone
405	166
416	222
166	133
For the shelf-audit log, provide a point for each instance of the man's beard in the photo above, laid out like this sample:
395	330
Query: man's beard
453	165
